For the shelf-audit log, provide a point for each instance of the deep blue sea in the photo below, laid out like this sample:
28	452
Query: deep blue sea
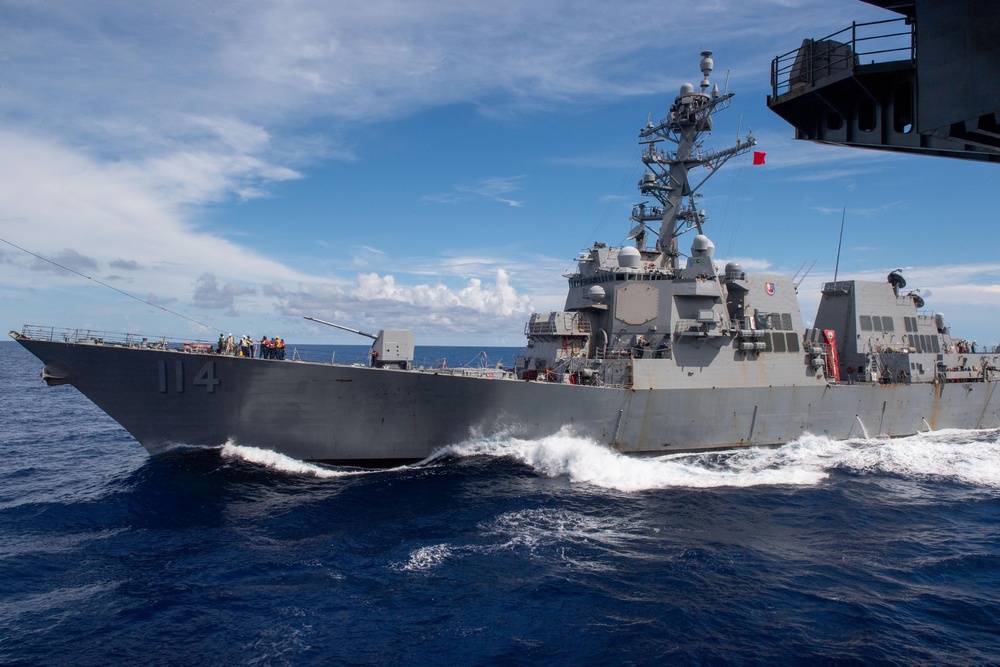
497	552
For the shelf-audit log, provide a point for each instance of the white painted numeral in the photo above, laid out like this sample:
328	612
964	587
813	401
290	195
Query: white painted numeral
206	377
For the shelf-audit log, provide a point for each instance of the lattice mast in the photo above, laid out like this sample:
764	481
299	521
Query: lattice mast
668	171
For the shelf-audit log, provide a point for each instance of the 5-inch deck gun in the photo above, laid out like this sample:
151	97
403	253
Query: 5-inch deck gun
392	347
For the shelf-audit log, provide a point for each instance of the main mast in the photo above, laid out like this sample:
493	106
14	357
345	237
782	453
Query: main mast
668	171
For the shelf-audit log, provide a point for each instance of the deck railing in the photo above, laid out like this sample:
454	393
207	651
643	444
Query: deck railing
96	337
892	40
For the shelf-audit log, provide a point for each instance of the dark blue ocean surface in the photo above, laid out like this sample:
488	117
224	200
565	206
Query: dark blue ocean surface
500	552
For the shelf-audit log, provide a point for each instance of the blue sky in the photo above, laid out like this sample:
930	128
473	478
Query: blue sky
432	165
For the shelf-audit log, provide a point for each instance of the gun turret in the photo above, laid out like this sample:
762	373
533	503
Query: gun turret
341	326
391	346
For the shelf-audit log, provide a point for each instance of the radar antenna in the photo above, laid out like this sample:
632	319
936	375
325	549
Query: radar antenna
667	178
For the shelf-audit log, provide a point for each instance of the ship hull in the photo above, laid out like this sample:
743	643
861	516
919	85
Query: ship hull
367	416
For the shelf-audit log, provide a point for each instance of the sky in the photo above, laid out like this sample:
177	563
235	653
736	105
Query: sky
231	166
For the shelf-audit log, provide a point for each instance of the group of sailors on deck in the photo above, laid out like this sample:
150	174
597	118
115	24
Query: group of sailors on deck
273	348
267	348
962	346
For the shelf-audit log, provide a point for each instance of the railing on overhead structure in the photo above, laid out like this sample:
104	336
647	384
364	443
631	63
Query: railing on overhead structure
892	40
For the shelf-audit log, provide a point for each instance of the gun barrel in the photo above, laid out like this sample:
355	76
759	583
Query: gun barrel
340	326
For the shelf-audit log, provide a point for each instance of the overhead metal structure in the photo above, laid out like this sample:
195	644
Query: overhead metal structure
927	82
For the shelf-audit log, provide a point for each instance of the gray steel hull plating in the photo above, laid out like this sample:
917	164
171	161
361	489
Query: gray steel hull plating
366	416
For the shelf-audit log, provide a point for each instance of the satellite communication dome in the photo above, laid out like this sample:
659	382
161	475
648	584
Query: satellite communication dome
596	294
629	258
734	271
702	246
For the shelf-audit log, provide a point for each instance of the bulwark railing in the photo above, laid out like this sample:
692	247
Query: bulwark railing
892	40
94	337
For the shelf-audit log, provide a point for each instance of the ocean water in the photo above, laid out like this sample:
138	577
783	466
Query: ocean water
494	552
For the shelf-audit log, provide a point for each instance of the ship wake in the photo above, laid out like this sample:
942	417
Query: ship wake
284	464
960	456
964	457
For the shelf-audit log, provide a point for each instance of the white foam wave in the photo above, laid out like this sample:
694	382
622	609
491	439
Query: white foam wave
948	455
970	457
282	463
548	532
426	558
539	528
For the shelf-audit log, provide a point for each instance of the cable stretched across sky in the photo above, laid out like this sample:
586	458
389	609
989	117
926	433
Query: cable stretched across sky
112	287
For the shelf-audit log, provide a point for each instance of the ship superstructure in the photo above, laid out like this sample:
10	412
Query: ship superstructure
643	317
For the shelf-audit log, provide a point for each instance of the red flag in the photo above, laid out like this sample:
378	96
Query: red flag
758	157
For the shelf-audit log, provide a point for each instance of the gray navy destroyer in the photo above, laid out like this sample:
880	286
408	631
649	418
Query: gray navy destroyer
656	351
